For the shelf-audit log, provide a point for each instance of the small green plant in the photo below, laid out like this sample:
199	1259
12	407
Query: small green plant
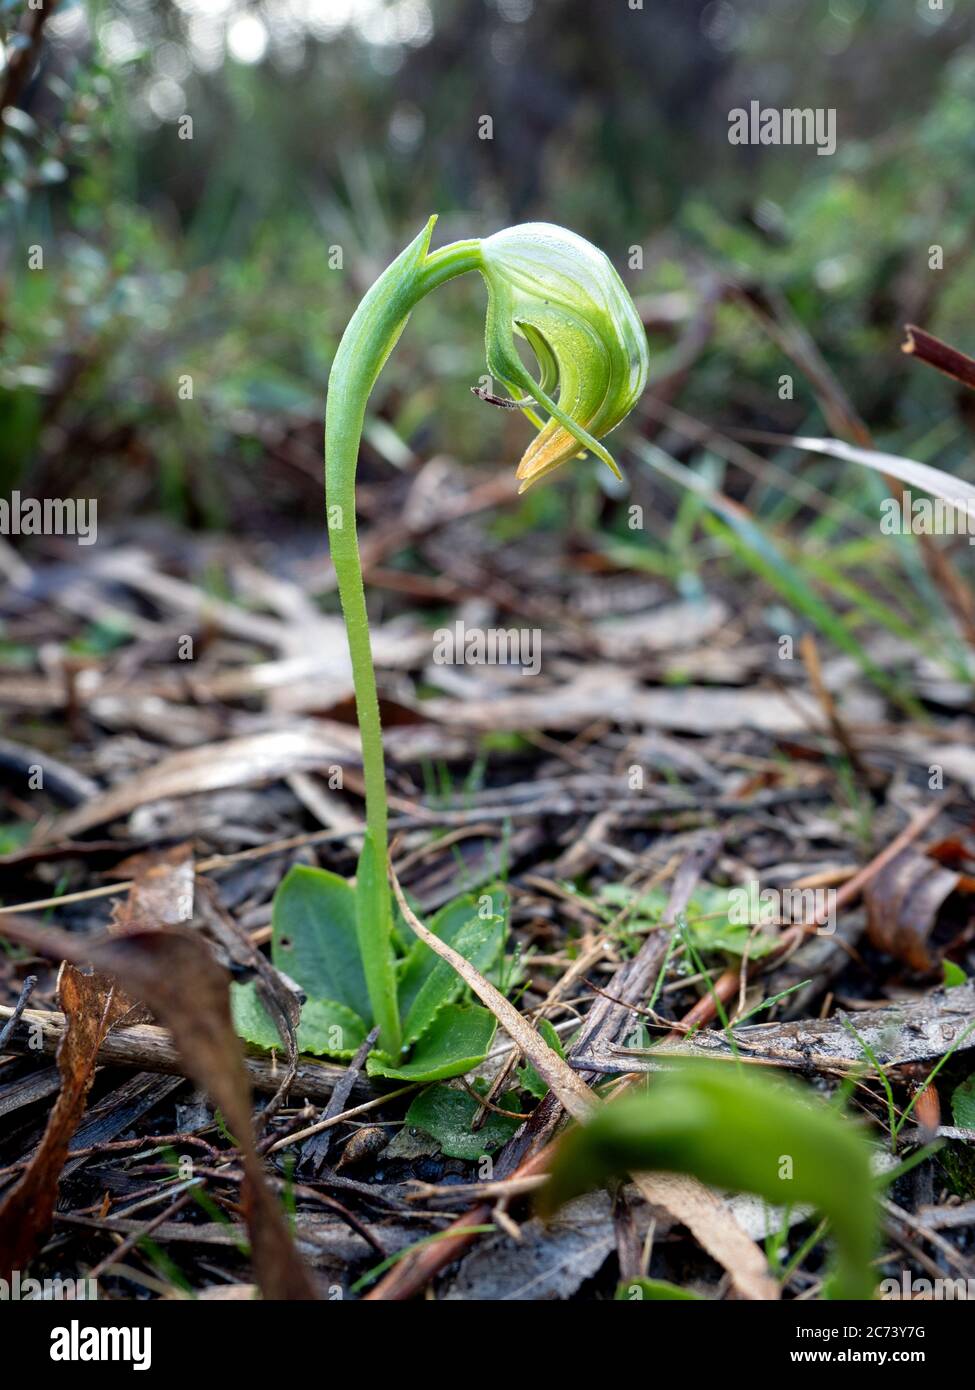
562	297
713	919
314	941
734	1129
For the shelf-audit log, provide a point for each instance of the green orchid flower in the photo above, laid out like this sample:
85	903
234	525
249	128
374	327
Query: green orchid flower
563	296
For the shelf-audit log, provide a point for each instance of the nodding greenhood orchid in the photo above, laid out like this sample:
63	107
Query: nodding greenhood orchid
564	297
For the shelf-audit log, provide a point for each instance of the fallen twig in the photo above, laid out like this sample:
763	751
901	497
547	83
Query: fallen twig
938	354
149	1048
27	989
901	1034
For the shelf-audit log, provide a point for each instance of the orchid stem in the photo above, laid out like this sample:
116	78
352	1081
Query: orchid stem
367	342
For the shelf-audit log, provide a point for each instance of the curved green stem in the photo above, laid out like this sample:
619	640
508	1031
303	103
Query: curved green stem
367	342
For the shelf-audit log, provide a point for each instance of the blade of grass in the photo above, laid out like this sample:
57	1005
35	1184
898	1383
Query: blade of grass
759	553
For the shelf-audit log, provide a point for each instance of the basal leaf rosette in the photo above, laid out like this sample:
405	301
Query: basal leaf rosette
563	296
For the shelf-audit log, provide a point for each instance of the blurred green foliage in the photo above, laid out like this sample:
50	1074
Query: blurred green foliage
324	132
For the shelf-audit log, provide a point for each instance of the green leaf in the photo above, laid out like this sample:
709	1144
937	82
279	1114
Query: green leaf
374	925
490	906
733	1129
636	1290
478	941
251	1019
527	1074
447	1115
953	974
402	935
326	1029
648	905
314	937
329	1029
734	938
458	1039
714	918
963	1104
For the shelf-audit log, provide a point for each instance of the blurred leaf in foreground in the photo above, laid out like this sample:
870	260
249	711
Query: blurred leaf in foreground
735	1130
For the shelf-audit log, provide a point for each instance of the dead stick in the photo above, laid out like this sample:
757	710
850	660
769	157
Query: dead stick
810	658
24	57
149	1048
409	1276
26	991
940	355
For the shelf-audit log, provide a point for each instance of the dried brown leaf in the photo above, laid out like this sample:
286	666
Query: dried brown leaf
175	973
163	883
237	762
903	902
714	1227
90	1006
